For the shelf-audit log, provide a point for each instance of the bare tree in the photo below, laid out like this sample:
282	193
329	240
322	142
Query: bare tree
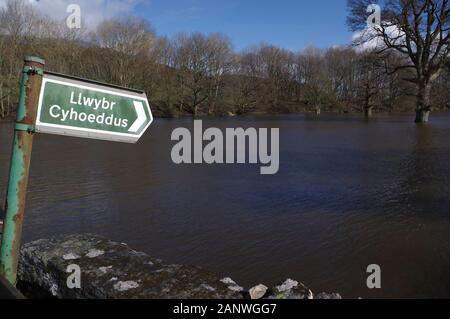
314	78
191	59
165	93
202	61
417	29
17	23
369	82
244	94
128	42
276	66
343	73
219	63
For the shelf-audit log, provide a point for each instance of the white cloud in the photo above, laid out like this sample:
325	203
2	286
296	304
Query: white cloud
368	39
92	11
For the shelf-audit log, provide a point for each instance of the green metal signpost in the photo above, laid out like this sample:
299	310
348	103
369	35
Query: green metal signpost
64	105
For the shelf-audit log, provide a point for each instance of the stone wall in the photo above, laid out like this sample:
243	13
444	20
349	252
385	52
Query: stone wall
113	270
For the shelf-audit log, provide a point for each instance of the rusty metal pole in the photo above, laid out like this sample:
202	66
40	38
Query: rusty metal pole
32	73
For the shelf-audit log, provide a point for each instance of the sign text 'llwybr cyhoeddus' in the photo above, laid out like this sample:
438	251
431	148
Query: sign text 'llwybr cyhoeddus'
74	107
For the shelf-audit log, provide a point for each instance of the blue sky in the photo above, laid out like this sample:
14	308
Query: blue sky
292	24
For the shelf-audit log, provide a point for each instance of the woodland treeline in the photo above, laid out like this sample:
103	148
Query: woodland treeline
200	74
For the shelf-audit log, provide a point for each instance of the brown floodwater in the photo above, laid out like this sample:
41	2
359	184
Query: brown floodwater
349	193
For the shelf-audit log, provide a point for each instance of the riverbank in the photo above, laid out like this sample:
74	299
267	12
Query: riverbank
11	118
111	270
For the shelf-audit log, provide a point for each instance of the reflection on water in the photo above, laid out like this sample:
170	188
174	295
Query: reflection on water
349	193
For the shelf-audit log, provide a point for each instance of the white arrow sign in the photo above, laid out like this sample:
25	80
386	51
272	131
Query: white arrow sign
141	117
84	108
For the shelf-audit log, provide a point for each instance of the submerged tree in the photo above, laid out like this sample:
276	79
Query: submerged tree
316	82
369	82
418	30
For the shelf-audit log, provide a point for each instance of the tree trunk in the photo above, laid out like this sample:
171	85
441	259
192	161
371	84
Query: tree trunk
423	107
212	108
318	111
367	102
2	108
422	116
368	112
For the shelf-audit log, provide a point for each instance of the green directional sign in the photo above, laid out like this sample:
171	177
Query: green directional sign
83	108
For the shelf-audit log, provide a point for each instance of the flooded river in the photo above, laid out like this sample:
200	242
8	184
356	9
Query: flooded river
349	193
